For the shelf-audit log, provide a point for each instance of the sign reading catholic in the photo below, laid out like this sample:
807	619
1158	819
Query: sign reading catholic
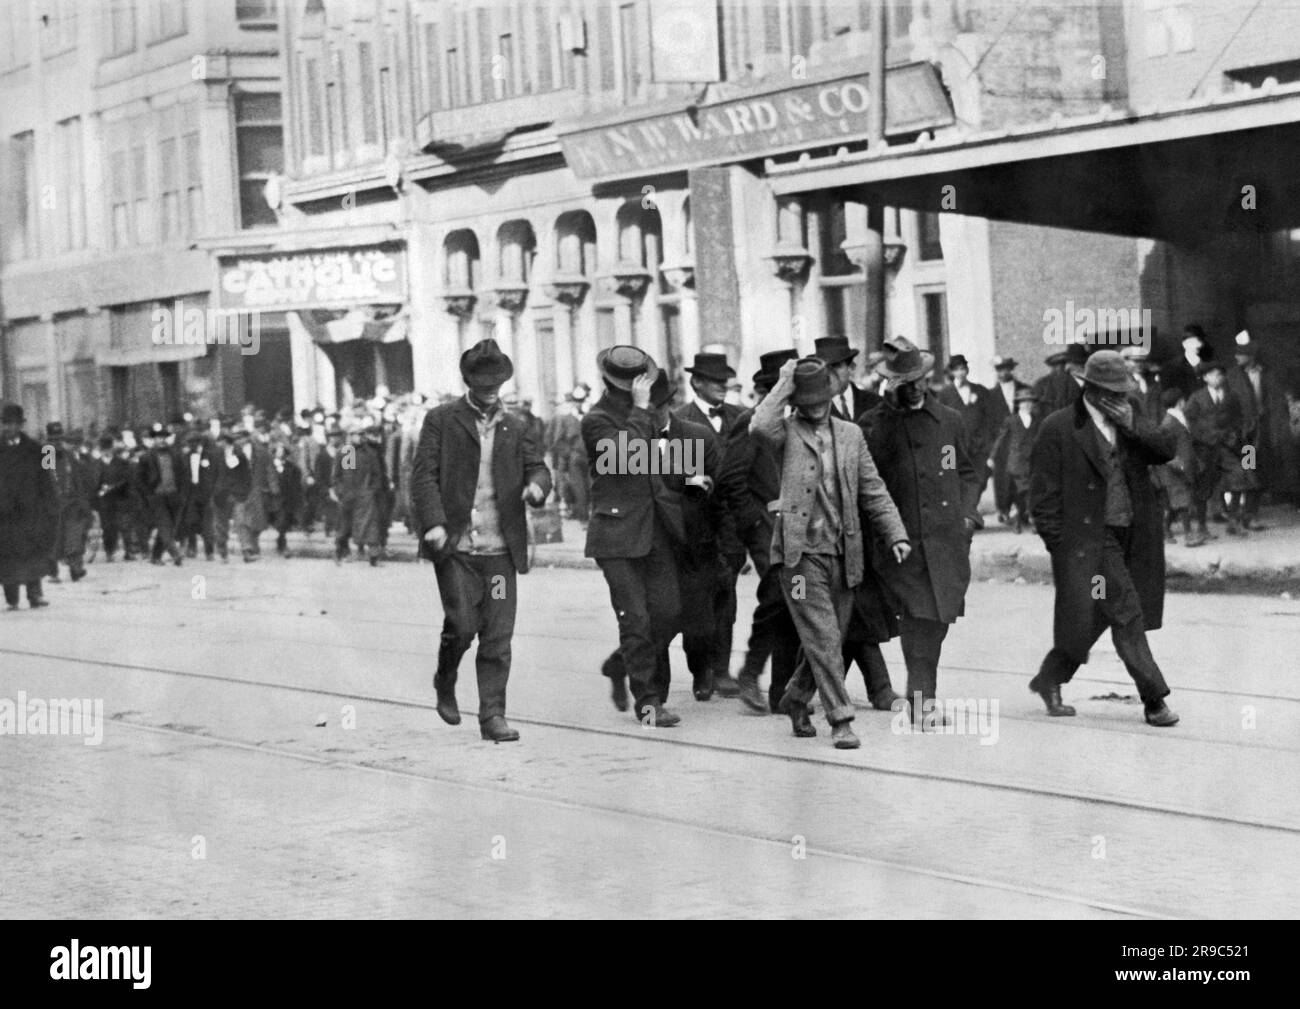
317	279
760	124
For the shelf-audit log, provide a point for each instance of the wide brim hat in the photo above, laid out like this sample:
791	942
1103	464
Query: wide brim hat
1106	370
834	349
712	366
904	361
957	361
54	429
485	363
1004	362
619	365
813	382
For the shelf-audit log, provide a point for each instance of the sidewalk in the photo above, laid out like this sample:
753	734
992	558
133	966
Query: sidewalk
1265	562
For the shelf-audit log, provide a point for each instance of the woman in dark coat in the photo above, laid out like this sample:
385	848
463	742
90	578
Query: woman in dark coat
28	512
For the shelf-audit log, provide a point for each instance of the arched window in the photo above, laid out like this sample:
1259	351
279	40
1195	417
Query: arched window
462	260
516	246
575	247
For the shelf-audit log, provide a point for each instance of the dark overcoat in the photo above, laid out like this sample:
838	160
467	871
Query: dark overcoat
29	513
923	459
445	476
1067	499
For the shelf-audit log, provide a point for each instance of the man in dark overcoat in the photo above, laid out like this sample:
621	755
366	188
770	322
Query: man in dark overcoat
1095	506
1002	405
28	512
1059	388
975	405
76	487
919	448
475	469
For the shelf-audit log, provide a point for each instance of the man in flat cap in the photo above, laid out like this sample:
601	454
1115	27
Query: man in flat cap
1095	506
475	469
28	512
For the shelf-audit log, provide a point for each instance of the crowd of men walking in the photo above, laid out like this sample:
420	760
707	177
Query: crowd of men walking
855	504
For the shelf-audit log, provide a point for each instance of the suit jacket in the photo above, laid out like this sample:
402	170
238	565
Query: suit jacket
1015	444
201	491
691	412
860	401
151	470
751	462
1067	499
931	477
979	418
998	409
860	487
445	476
1056	390
625	505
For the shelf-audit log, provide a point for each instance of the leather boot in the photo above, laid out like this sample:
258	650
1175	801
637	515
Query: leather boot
1051	695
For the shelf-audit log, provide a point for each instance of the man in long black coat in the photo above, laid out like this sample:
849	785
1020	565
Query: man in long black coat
1096	508
475	468
919	447
28	512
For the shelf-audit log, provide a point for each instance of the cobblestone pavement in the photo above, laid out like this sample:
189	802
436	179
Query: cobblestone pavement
213	690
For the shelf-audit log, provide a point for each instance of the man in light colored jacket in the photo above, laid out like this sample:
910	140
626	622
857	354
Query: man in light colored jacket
827	479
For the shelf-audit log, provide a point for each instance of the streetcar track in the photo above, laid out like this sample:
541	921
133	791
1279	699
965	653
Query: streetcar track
665	737
782	843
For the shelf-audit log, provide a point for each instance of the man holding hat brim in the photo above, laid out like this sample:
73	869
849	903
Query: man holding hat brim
634	535
850	401
709	655
1095	506
475	469
752	461
28	512
920	451
1059	388
828	481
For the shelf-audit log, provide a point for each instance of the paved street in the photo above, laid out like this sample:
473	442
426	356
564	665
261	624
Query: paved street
215	793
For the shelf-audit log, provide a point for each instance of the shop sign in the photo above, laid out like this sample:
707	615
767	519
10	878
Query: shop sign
327	278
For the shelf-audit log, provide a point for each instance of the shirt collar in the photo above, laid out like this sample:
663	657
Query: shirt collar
479	412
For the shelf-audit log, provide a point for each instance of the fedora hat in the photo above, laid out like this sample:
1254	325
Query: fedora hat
957	361
1026	395
834	349
661	390
12	414
1073	354
1106	370
769	366
713	367
485	364
904	361
1000	362
53	430
813	382
619	365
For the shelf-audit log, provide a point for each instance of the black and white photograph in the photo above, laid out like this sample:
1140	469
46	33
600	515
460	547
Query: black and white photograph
651	459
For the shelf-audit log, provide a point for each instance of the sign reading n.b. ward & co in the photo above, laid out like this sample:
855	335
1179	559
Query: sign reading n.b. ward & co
759	124
324	278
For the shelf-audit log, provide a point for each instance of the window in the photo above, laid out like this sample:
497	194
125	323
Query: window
259	138
486	63
166	20
316	145
71	208
193	182
387	108
256	13
338	106
119	199
121	27
927	236
605	40
934	321
455	78
627	14
1168	27
504	66
141	219
772	27
171	225
58	29
369	111
20	240
433	92
545	75
15	35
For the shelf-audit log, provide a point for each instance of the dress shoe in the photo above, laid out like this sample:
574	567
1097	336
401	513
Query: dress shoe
1159	714
842	737
800	724
1197	540
726	685
885	700
618	692
1004	518
448	709
750	695
78	575
656	716
498	730
703	687
10	607
1051	695
37	604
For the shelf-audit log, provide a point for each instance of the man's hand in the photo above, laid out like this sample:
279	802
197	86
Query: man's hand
901	550
641	391
534	495
787	369
1119	410
436	537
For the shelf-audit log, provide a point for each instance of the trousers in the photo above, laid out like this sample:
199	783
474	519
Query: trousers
821	605
479	599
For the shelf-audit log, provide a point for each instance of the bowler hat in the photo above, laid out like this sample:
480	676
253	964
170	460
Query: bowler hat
53	430
813	382
12	414
1004	362
769	369
713	367
834	349
1106	370
957	361
622	363
904	361
485	364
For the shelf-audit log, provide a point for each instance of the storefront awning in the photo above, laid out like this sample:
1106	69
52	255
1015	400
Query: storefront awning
148	353
1179	173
